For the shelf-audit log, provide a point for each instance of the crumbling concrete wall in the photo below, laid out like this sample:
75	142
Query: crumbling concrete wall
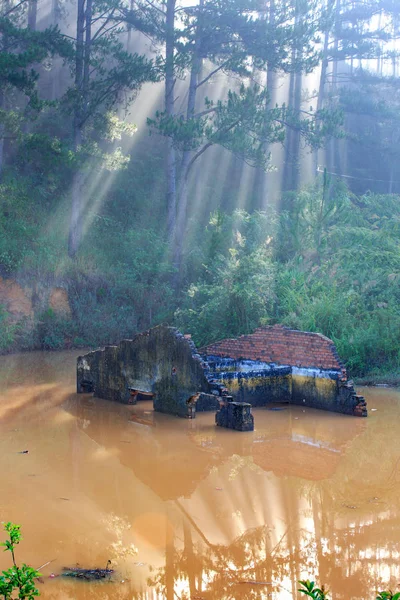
160	361
250	380
275	364
281	364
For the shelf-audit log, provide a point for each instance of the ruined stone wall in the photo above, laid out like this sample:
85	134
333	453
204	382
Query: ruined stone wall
160	361
275	364
278	364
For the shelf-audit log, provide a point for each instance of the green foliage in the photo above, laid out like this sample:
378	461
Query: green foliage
235	291
388	596
332	267
341	259
17	579
308	588
54	331
21	48
7	330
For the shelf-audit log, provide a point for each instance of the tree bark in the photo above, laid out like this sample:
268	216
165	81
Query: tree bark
292	145
335	163
169	110
322	82
75	228
261	179
182	196
32	14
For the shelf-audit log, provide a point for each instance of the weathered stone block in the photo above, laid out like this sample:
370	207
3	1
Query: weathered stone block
235	415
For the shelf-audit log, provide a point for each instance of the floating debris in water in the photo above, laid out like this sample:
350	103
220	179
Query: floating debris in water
23	452
87	574
277	408
256	582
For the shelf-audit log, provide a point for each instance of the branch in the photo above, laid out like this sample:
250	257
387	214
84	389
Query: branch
14	8
211	143
205	112
196	156
156	7
99	17
98	32
212	73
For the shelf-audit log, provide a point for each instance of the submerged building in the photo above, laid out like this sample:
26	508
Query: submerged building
274	364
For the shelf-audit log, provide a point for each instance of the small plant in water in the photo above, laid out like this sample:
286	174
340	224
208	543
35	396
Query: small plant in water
309	589
17	580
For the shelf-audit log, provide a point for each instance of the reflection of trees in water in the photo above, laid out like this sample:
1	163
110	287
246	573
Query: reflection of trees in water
343	530
331	555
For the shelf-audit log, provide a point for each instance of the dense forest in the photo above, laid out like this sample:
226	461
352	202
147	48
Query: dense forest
216	165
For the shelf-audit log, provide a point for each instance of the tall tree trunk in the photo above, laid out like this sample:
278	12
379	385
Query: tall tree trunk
32	14
182	196
292	144
292	151
295	173
288	155
129	36
87	46
55	74
75	228
4	7
2	134
261	179
322	82
334	162
169	110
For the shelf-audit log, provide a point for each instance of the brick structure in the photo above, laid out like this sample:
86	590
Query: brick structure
281	346
281	364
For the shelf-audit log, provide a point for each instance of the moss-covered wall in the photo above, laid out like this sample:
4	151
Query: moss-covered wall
325	390
165	363
259	389
160	361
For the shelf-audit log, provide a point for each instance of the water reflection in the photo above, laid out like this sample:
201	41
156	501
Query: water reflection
185	510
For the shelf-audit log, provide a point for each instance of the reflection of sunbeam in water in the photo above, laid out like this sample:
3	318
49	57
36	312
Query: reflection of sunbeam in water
32	401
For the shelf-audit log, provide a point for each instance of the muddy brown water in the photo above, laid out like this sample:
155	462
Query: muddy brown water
186	510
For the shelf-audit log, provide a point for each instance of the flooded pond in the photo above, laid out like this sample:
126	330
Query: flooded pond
186	510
